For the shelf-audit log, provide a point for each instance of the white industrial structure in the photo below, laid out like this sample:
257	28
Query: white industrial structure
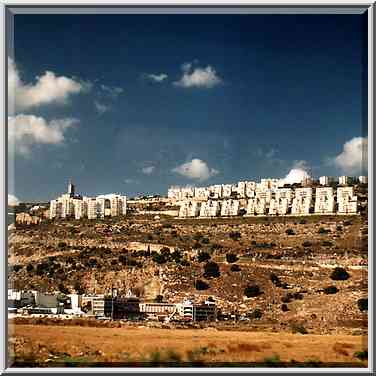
324	201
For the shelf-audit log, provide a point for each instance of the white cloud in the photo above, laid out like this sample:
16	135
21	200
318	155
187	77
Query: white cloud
148	170
131	181
13	200
198	77
354	156
196	169
47	89
24	131
111	91
298	173
100	107
157	77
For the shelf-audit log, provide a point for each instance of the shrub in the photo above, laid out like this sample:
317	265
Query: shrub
275	280
287	298
327	243
303	221
63	289
298	328
290	231
297	295
339	274
284	307
230	257
17	268
205	240
235	235
255	314
330	290
307	244
211	269
323	230
159	258
362	355
252	291
201	285
159	299
30	268
203	256
235	268
363	304
61	244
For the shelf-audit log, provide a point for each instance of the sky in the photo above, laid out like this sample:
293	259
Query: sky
134	104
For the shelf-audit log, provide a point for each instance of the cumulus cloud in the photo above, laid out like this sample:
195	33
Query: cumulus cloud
24	131
297	174
148	170
157	77
198	77
101	108
196	169
47	89
13	200
354	157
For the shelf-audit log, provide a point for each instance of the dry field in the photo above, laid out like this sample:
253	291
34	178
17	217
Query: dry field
48	346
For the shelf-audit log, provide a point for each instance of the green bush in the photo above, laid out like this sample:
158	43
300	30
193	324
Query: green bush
339	274
230	257
203	256
211	270
362	355
235	268
330	290
201	285
252	291
363	304
290	231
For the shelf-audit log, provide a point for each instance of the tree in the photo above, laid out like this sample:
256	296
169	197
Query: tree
252	291
230	257
363	304
290	231
159	258
30	268
235	235
330	290
235	268
211	269
158	299
201	285
339	274
203	256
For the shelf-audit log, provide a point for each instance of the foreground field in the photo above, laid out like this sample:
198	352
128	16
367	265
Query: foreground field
42	345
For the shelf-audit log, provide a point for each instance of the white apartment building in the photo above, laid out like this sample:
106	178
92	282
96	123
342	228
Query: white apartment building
302	202
347	202
215	191
201	193
324	201
343	180
69	206
226	190
230	208
324	180
250	188
363	179
189	209
210	208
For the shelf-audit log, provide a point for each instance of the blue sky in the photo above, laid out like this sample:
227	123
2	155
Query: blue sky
136	103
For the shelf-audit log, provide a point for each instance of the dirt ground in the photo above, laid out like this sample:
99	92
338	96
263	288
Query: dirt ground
85	346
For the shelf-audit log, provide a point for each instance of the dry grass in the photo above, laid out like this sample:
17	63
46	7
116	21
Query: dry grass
140	346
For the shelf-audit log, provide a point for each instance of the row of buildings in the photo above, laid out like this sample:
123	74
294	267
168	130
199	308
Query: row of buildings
249	189
70	205
127	307
275	201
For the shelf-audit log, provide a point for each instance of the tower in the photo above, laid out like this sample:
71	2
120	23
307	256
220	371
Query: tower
71	188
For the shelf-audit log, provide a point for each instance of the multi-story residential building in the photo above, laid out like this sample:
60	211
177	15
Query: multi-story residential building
230	208
189	311
302	202
343	180
324	201
210	208
363	179
324	180
226	190
201	193
189	208
250	188
215	191
347	202
69	205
